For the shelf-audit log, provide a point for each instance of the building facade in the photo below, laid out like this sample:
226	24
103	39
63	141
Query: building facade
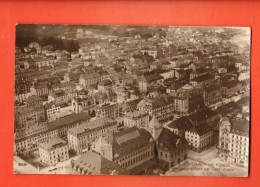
136	118
81	137
53	151
108	110
234	141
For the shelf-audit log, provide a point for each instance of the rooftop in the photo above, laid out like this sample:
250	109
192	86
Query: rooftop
136	114
240	127
52	143
94	163
88	126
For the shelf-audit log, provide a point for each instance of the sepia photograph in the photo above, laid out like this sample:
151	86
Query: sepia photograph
132	100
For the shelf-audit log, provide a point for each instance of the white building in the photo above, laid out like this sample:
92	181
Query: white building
234	141
53	151
136	118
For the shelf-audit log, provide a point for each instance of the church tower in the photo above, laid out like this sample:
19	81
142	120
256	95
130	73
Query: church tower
155	128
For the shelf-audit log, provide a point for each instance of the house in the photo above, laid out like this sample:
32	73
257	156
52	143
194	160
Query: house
202	80
52	111
81	137
105	84
199	128
198	136
181	74
29	115
53	151
89	79
161	108
150	80
212	94
230	88
61	97
136	118
129	106
107	110
33	100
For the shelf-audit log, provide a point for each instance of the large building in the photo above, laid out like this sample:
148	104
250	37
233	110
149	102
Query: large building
136	118
108	110
170	148
89	79
61	97
159	107
150	80
202	80
30	115
234	141
85	104
52	111
132	149
95	164
81	137
164	108
200	129
53	151
212	94
27	139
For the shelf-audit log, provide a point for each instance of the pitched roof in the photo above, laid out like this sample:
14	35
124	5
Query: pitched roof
130	139
90	125
202	115
184	123
93	163
130	105
202	78
201	129
240	126
169	140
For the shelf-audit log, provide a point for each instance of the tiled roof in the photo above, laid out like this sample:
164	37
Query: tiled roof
169	140
90	125
70	119
201	129
130	105
202	115
93	163
183	123
129	140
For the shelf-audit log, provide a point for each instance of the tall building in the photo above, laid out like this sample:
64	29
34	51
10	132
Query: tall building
234	141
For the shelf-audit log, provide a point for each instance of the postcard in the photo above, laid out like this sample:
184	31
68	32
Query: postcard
132	100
